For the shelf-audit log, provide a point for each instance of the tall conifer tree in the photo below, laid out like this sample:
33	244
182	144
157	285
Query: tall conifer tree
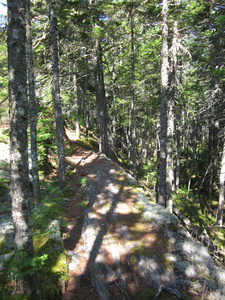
32	110
56	92
162	174
19	184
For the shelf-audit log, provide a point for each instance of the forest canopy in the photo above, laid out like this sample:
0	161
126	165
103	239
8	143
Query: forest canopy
111	57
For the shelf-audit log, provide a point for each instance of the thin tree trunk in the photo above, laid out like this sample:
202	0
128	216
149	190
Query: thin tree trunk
213	151
105	145
56	93
115	112
170	119
76	107
178	150
162	186
32	112
86	102
19	184
193	141
219	217
169	162
133	102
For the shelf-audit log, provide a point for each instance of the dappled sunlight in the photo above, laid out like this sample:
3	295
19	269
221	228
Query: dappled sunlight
113	233
128	247
126	209
106	232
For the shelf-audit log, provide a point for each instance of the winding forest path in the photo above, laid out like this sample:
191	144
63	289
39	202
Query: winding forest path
121	246
103	233
75	207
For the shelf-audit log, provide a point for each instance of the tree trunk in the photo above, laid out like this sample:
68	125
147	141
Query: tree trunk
86	99
102	113
169	162
214	141
106	143
32	112
170	118
76	107
219	217
56	93
133	102
162	186
19	185
178	153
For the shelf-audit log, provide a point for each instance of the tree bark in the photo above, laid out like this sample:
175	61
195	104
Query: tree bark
178	154
162	186
32	111
219	217
76	106
56	93
102	112
19	183
171	117
133	102
106	143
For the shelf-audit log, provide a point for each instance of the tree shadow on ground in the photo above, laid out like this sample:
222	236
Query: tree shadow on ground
126	256
110	265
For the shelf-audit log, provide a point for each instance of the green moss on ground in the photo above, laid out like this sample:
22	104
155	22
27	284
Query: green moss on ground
195	209
50	260
54	271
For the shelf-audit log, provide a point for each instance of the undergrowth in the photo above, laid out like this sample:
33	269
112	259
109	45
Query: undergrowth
194	208
49	263
4	136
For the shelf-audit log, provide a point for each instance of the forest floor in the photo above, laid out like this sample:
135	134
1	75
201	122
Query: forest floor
125	237
80	283
74	218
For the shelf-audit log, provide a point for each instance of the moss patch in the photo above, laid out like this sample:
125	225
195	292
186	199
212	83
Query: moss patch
54	271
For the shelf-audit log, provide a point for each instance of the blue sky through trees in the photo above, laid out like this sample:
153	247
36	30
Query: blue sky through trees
3	7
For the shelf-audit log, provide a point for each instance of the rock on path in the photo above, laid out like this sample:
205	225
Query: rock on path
135	249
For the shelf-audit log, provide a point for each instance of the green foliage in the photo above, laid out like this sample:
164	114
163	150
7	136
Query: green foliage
4	185
195	208
46	140
3	78
23	265
4	136
51	208
81	180
196	6
200	63
193	161
82	204
86	143
148	174
54	270
219	73
49	264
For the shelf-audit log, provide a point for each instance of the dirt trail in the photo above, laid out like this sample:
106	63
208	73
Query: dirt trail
106	237
74	219
123	247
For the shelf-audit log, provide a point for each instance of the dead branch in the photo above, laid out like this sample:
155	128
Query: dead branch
168	290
